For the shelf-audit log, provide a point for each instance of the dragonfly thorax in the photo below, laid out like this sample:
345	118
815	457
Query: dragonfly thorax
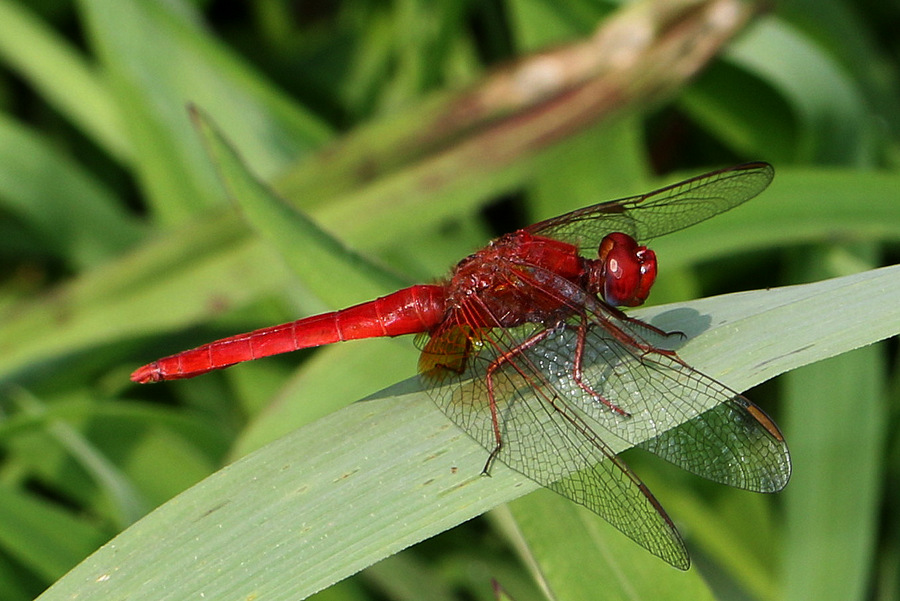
517	280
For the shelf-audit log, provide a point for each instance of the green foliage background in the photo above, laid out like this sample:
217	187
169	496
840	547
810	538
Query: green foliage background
119	246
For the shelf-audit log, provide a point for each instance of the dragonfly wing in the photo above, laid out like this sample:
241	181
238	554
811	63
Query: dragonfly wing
676	412
660	212
558	403
543	436
747	453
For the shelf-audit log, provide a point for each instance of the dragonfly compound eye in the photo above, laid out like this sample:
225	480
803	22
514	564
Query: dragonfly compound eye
628	270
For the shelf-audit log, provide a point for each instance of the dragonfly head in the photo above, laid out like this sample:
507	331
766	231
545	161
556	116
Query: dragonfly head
624	271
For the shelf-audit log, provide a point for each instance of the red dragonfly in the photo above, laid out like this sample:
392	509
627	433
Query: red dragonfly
525	349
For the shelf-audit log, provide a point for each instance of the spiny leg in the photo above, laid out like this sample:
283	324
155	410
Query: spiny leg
578	374
630	340
643	324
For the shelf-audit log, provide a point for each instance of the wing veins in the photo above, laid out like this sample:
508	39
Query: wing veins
597	470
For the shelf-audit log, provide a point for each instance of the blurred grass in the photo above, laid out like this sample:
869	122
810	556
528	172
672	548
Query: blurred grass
384	124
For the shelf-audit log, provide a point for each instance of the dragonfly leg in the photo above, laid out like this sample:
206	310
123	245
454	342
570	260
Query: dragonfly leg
643	324
507	357
578	374
630	340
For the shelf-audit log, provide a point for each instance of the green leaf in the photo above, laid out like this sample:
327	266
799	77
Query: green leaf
187	66
66	209
62	76
167	283
571	551
321	386
369	480
319	259
127	503
832	114
41	535
839	421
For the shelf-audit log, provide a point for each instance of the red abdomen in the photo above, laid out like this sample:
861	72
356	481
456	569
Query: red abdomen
409	311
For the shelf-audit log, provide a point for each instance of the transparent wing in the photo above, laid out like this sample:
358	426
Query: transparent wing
674	411
660	212
544	437
554	422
